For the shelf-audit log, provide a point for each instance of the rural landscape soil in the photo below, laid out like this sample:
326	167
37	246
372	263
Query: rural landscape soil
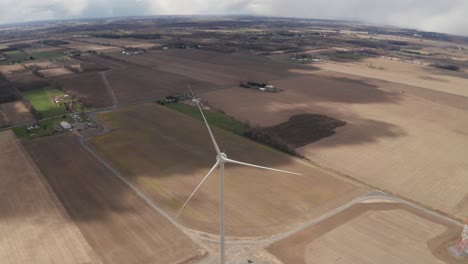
101	141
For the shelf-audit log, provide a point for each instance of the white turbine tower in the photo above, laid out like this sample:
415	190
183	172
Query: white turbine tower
221	159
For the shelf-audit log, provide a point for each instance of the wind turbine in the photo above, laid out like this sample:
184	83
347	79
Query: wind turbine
221	159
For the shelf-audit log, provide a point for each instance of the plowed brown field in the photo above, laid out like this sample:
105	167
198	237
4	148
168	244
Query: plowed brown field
118	224
14	113
214	67
90	89
166	154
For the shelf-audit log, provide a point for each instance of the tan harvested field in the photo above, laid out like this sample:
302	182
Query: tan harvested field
34	227
89	89
405	73
84	47
11	69
166	154
119	225
380	232
56	72
408	140
14	113
43	64
313	52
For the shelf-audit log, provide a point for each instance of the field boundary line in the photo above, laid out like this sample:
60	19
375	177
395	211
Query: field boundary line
110	90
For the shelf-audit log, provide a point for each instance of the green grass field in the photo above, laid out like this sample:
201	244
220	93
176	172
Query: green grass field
16	55
216	119
47	128
41	99
47	55
80	107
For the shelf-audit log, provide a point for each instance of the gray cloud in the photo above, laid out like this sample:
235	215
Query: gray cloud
432	15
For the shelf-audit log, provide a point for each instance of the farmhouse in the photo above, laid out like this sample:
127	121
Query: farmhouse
260	86
133	51
65	125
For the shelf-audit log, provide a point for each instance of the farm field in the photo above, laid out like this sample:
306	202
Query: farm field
34	227
43	64
412	40
132	83
301	130
121	43
136	78
119	225
214	118
41	99
15	56
14	113
167	165
405	73
214	67
372	232
388	142
89	89
137	84
55	72
49	54
84	47
11	69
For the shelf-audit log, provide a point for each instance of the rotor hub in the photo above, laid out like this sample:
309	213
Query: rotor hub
221	157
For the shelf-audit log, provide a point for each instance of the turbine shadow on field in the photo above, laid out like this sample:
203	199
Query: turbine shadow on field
442	72
361	131
333	97
339	90
357	130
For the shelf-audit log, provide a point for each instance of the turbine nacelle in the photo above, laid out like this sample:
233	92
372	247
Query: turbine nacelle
221	157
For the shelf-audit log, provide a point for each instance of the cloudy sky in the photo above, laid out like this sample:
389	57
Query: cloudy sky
450	16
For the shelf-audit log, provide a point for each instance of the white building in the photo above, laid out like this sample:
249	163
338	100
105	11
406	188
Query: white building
65	125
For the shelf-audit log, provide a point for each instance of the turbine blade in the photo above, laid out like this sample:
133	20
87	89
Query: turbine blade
258	167
198	187
206	122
